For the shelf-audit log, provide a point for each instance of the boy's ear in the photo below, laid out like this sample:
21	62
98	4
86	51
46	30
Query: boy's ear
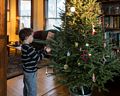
26	37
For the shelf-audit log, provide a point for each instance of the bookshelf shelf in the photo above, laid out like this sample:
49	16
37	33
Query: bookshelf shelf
111	22
107	15
112	29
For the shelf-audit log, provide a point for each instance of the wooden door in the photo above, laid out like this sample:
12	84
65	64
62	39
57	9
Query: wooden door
3	51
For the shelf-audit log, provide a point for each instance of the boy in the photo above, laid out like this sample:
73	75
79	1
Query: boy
29	57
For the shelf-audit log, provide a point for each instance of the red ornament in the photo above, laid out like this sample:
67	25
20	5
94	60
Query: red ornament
85	56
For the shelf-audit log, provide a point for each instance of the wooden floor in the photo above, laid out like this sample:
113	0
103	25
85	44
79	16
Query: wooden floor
48	87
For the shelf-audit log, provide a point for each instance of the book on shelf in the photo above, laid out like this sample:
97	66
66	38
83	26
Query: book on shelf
105	9
112	38
117	9
116	22
110	9
107	22
112	22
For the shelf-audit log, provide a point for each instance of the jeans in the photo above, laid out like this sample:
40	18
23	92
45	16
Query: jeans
30	84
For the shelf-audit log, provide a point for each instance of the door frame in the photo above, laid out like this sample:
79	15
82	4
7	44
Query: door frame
3	49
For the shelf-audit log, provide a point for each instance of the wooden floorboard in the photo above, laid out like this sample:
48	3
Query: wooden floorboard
59	91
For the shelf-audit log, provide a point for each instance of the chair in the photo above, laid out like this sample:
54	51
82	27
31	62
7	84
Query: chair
40	35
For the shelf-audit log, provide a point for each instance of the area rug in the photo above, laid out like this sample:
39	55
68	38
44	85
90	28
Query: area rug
14	67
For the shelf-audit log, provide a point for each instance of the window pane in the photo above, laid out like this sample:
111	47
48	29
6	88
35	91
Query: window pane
52	22
60	6
51	8
25	8
25	13
25	22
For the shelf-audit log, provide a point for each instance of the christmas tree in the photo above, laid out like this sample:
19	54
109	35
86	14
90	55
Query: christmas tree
80	55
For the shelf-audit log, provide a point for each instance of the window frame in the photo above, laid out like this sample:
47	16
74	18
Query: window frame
46	13
18	15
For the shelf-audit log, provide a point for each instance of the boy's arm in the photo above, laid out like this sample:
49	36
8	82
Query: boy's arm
43	54
38	54
33	53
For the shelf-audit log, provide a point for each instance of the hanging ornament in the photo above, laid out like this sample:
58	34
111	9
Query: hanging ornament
104	44
85	56
65	66
84	35
86	44
93	77
80	49
79	63
68	53
118	50
76	44
93	30
104	60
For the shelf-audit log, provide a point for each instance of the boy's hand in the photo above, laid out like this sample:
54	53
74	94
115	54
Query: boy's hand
47	49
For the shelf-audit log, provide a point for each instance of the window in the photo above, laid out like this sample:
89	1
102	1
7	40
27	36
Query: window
53	8
24	8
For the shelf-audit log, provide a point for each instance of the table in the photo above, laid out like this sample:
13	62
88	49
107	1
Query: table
16	48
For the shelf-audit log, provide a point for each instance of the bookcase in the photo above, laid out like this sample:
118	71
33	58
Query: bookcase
111	22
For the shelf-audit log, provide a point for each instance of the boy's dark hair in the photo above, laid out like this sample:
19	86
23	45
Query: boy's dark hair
24	33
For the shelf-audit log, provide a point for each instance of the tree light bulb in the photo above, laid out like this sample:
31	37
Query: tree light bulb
65	66
68	53
72	9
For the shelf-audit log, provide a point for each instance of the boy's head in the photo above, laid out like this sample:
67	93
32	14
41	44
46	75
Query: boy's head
26	34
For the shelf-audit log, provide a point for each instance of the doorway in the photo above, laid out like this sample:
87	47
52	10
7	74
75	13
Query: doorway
20	14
